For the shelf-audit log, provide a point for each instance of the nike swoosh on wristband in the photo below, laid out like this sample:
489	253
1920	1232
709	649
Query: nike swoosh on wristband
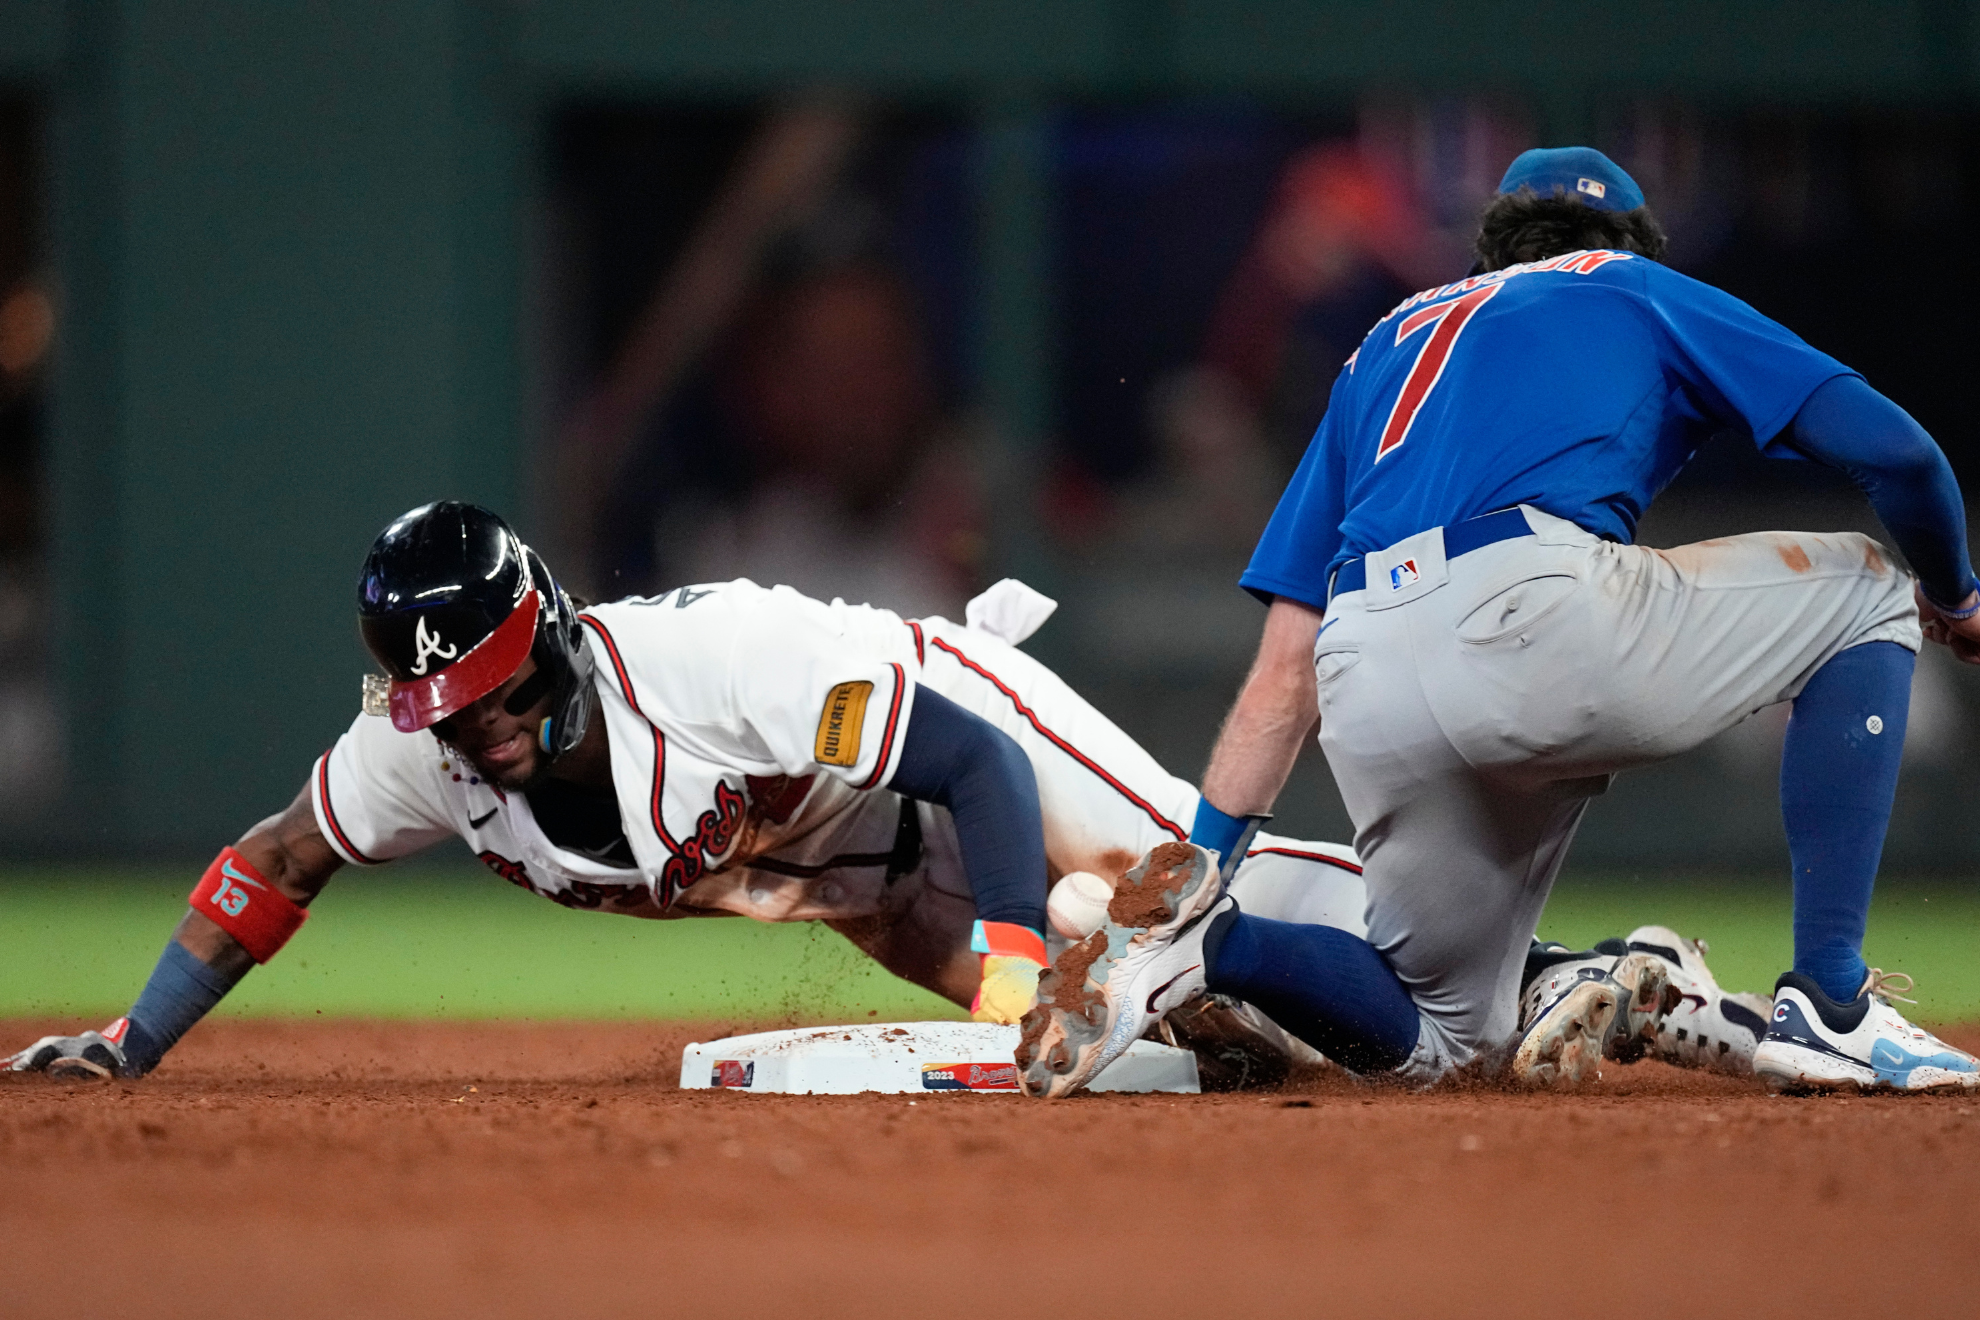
476	822
227	869
1158	991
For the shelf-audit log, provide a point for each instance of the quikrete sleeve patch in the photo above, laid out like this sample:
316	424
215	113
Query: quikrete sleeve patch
839	725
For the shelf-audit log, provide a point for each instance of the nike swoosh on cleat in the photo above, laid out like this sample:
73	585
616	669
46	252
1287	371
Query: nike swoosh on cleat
1810	1043
1158	991
476	822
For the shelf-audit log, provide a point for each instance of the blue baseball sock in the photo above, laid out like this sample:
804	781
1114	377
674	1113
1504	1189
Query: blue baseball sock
1327	987
1839	772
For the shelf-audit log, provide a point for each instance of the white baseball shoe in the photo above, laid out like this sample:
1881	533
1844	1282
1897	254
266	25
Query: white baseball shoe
1815	1044
1708	1027
1108	988
1578	1009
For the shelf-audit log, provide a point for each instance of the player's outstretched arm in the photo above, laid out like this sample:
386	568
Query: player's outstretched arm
963	762
1261	737
245	907
1902	470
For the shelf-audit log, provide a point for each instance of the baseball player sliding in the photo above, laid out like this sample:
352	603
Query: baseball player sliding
722	748
719	748
1454	596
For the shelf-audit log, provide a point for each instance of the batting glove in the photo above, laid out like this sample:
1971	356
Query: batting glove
1009	989
1013	959
92	1056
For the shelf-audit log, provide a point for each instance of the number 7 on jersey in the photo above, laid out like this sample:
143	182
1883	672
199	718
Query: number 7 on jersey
1449	320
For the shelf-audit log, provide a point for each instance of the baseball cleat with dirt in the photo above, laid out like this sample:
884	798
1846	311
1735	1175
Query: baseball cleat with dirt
1104	991
1706	1027
1648	998
1237	1047
1576	1013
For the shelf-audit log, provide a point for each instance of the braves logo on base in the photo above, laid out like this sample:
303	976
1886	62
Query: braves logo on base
969	1077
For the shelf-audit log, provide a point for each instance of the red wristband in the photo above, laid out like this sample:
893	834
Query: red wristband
1010	940
239	900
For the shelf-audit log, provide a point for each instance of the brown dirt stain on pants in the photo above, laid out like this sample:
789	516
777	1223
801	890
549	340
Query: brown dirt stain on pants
1689	558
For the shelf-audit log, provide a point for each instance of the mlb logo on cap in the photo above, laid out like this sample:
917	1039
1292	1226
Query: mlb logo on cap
1582	173
1403	574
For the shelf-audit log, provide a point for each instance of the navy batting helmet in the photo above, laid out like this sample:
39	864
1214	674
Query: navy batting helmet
450	601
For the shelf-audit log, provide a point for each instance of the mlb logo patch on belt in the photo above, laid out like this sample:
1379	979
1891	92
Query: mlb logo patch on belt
1403	574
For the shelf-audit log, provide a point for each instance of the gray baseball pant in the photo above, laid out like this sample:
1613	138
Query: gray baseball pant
1471	707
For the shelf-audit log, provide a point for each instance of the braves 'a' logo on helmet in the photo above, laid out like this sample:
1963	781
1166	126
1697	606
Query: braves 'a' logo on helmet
450	604
428	645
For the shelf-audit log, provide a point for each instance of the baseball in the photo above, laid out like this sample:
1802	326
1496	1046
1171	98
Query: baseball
1078	904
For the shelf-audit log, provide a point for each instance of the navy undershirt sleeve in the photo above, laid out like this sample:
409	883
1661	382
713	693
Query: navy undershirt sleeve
1850	426
181	991
963	762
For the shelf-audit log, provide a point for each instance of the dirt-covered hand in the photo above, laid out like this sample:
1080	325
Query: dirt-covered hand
1009	989
94	1055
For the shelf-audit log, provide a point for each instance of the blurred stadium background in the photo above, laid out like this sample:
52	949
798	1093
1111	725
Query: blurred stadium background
881	299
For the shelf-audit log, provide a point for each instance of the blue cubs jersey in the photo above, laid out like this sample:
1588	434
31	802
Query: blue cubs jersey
1579	385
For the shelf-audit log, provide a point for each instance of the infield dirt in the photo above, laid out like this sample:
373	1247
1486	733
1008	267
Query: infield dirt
326	1168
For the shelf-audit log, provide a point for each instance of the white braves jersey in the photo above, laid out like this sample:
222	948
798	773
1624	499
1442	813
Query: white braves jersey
743	722
753	734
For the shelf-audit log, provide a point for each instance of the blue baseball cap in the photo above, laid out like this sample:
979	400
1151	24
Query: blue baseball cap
1583	173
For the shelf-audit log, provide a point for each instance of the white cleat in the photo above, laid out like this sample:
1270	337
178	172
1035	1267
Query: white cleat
1707	1027
1104	991
1581	1010
1815	1044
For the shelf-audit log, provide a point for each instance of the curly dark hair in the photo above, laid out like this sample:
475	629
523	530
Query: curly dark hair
1524	226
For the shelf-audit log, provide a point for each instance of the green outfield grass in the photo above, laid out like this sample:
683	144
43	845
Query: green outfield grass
1928	928
404	942
460	943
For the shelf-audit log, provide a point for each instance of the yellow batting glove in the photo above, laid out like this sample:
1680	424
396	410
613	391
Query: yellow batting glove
1009	989
1013	960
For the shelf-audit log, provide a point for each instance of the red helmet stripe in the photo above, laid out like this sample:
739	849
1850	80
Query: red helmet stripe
423	701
